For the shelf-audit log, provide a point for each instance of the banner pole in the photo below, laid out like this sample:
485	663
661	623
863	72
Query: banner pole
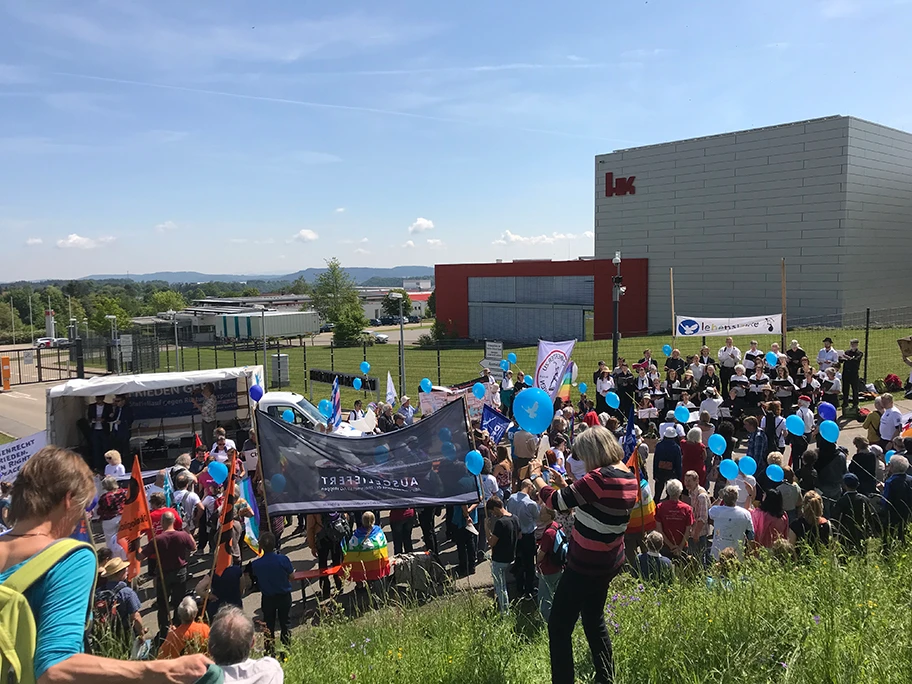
784	320
471	434
232	466
671	282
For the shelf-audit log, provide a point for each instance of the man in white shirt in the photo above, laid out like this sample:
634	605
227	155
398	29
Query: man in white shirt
729	356
827	357
230	642
670	422
711	404
356	413
407	411
890	422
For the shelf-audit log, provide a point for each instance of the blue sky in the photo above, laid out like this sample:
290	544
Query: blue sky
265	137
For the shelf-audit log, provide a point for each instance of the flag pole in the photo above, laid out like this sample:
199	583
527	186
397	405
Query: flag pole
228	503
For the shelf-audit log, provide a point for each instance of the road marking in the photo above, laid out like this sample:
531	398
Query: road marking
18	395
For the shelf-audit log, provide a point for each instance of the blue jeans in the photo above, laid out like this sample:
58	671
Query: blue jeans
547	585
499	575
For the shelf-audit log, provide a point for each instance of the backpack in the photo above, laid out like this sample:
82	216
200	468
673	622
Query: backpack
335	528
18	632
561	547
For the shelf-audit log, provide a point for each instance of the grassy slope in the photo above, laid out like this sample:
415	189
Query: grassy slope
820	622
5	438
462	364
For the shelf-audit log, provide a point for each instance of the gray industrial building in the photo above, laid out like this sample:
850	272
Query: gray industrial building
832	195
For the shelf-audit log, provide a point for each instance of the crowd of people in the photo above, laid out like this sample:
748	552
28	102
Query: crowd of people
561	514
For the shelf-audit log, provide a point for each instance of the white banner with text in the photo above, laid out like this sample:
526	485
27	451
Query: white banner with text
700	326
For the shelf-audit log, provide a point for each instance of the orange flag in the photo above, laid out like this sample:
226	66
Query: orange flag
134	520
223	552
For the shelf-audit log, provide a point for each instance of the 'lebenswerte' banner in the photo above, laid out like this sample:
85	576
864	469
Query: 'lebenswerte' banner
14	454
420	465
688	326
553	358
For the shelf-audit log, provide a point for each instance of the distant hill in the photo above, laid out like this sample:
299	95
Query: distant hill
359	274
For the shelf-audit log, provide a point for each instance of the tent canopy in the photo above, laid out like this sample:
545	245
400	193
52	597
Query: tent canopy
127	384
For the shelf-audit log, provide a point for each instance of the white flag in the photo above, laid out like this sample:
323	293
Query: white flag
390	390
553	358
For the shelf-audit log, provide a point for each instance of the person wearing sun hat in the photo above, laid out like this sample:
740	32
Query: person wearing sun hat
666	463
406	410
121	602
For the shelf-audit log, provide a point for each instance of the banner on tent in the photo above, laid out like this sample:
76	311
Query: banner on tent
553	358
421	465
689	326
14	454
176	402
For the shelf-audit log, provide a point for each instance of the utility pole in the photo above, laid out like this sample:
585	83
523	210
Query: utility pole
399	296
618	291
31	322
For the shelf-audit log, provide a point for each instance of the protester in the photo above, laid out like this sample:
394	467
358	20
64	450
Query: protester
188	505
170	570
674	520
603	499
872	422
189	636
864	467
465	519
110	506
699	503
273	572
693	453
890	422
407	411
117	606
503	534
523	507
757	443
402	520
666	462
853	515
652	566
114	465
896	501
228	588
231	639
811	527
48	498
552	547
732	524
790	492
769	520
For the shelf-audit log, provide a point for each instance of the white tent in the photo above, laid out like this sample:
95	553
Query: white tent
67	403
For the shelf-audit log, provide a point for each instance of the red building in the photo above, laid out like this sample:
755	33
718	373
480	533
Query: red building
523	301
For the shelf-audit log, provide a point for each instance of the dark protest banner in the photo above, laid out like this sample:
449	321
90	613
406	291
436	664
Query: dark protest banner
175	402
421	465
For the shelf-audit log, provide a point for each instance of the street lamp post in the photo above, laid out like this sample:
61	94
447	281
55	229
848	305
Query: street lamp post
113	321
173	315
85	322
398	295
617	292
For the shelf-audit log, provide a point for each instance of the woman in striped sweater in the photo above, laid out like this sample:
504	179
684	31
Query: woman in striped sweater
603	499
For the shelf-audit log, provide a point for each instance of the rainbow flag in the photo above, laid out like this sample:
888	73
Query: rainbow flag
367	555
251	525
563	392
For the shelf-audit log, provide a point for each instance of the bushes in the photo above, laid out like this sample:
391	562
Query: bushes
824	621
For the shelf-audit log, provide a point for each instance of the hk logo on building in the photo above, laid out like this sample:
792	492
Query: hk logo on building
619	186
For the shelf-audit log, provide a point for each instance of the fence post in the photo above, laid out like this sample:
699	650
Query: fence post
255	357
867	349
234	350
303	342
332	355
37	364
439	383
80	359
215	350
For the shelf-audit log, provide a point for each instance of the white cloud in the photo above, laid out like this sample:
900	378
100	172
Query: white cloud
840	9
166	226
435	244
74	241
420	225
305	235
643	53
340	210
408	244
349	241
31	242
508	238
361	251
248	241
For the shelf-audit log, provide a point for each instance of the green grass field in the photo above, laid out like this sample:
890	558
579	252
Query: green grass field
824	620
457	365
5	438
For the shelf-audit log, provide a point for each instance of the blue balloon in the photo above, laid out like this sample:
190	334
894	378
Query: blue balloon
278	483
357	384
511	357
728	469
288	416
829	431
365	367
613	400
92	504
445	435
529	381
478	390
666	349
426	385
747	465
533	410
771	358
826	411
218	472
775	473
504	365
717	444
448	449
795	425
381	453
889	455
325	408
583	387
682	415
256	392
474	462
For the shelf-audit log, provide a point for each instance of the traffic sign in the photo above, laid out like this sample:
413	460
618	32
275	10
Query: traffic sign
28	357
126	347
492	365
494	350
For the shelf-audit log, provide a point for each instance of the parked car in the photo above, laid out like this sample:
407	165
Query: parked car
374	321
327	327
62	342
44	343
377	338
414	319
386	320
